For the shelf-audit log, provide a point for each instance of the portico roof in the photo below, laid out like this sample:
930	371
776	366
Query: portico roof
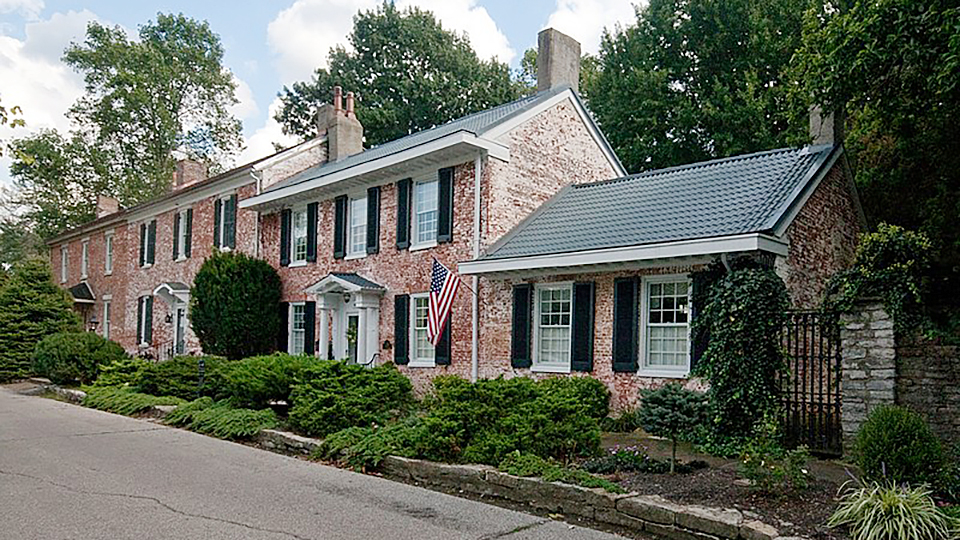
344	281
82	293
173	292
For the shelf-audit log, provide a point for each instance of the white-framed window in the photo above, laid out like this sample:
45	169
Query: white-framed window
108	253
145	318
553	315
298	328
357	227
64	263
425	212
84	258
107	301
666	326
422	352
181	231
298	235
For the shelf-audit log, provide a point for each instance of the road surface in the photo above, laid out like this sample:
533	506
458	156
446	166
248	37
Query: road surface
67	472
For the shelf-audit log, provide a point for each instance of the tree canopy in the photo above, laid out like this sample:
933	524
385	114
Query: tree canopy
408	73
12	117
691	81
147	101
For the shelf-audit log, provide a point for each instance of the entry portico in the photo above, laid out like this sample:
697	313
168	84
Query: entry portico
349	307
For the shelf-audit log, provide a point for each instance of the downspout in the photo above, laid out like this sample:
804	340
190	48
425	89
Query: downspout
474	352
259	180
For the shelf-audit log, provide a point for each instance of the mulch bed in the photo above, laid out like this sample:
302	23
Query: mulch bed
802	513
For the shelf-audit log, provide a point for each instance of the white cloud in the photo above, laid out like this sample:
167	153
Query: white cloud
584	20
302	35
28	9
261	143
246	106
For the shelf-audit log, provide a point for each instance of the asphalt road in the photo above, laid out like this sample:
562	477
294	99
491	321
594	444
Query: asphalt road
72	473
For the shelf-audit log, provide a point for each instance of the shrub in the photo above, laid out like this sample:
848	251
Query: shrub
897	444
255	382
125	401
219	419
363	448
891	512
31	308
69	357
671	411
234	305
123	372
627	422
180	376
743	318
770	467
636	459
519	464
335	395
592	394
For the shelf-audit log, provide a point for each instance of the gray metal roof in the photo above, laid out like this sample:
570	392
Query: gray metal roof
359	281
81	292
737	195
476	123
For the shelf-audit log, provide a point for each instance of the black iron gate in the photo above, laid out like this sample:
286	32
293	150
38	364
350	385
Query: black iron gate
811	386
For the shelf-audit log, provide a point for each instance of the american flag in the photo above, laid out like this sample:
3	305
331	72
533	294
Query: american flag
443	287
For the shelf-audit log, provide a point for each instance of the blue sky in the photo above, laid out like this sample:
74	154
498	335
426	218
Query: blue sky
268	44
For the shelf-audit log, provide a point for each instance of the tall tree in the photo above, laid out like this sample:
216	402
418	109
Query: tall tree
148	100
895	66
10	117
408	73
697	79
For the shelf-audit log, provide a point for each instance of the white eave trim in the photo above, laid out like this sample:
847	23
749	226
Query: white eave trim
665	250
492	148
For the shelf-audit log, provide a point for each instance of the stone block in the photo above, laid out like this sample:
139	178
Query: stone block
652	508
757	530
881	324
675	533
395	467
854	374
611	516
716	521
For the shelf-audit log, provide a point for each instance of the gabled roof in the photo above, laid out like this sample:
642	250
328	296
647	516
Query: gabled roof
344	280
82	293
751	193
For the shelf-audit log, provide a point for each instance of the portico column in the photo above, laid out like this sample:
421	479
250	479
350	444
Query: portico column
324	333
362	337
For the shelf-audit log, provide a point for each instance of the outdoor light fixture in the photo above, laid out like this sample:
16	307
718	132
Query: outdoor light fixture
387	345
346	298
169	318
93	323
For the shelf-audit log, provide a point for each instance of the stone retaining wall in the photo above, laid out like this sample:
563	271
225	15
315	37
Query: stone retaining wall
286	442
928	382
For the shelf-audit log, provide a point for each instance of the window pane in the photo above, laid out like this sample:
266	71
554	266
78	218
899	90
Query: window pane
358	226
667	325
554	331
422	348
300	235
425	206
297	329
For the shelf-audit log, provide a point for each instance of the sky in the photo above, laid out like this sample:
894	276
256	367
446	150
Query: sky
268	44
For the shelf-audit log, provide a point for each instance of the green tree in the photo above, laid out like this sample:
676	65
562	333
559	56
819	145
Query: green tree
671	411
695	80
408	73
234	305
10	117
895	66
147	101
31	308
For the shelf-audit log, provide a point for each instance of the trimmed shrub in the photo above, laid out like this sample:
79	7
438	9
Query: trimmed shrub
69	357
125	401
519	464
221	420
234	305
334	395
590	393
362	448
671	411
891	512
31	308
180	377
627	422
896	444
123	372
255	382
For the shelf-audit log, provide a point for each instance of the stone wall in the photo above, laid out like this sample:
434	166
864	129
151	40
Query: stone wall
928	382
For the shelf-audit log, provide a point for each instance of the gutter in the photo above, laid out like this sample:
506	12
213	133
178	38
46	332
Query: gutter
475	308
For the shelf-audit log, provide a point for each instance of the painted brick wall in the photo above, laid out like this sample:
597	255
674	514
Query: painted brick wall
823	238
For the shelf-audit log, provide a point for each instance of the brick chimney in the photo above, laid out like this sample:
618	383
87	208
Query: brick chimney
826	128
340	125
188	172
106	206
558	60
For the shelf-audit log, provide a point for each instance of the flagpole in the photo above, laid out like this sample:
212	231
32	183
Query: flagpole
462	284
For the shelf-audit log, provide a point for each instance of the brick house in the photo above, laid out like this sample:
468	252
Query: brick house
576	267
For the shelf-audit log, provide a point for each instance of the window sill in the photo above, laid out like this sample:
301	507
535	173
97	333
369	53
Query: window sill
110	273
422	364
225	248
181	258
355	256
297	264
664	374
83	276
548	368
425	245
150	265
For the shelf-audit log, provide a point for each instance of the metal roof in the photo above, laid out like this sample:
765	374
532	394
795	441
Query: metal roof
359	281
82	293
736	195
476	123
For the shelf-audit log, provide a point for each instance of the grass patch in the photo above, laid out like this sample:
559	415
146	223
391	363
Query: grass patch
219	419
124	401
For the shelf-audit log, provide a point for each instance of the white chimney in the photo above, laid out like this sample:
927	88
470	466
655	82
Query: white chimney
558	60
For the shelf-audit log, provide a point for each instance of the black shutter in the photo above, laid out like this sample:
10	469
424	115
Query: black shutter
445	206
520	334
441	353
285	220
310	326
148	321
139	320
217	218
152	242
231	232
373	219
401	329
176	235
583	308
143	244
282	337
188	234
625	325
403	213
340	227
312	209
